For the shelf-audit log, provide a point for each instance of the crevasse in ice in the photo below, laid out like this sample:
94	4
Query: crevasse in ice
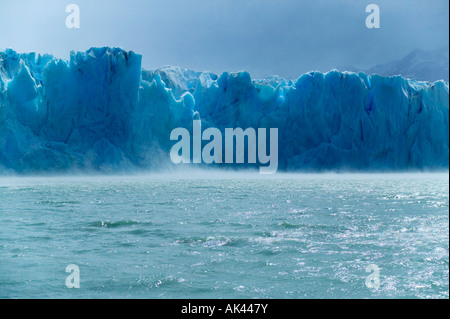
101	111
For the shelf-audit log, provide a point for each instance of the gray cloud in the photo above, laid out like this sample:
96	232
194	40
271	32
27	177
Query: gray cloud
284	37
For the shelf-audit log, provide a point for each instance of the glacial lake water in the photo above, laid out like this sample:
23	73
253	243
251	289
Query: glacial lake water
225	236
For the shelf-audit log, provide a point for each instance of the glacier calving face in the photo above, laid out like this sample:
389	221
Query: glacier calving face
101	111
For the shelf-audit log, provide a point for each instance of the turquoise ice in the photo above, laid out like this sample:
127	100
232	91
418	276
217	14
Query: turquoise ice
101	111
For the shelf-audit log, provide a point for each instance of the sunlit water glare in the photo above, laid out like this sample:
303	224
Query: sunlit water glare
294	236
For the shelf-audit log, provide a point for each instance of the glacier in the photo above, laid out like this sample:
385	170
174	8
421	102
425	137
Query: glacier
100	111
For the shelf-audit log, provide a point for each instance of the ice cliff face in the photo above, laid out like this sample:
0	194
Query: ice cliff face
101	111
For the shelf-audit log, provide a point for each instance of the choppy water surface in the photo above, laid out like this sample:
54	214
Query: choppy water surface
303	236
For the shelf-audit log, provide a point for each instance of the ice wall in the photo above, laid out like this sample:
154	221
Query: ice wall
101	111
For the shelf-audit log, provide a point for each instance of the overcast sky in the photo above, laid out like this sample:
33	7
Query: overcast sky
264	37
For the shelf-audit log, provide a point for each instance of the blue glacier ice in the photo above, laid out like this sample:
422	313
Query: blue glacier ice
100	111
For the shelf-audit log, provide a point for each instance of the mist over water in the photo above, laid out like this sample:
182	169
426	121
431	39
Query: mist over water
207	235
